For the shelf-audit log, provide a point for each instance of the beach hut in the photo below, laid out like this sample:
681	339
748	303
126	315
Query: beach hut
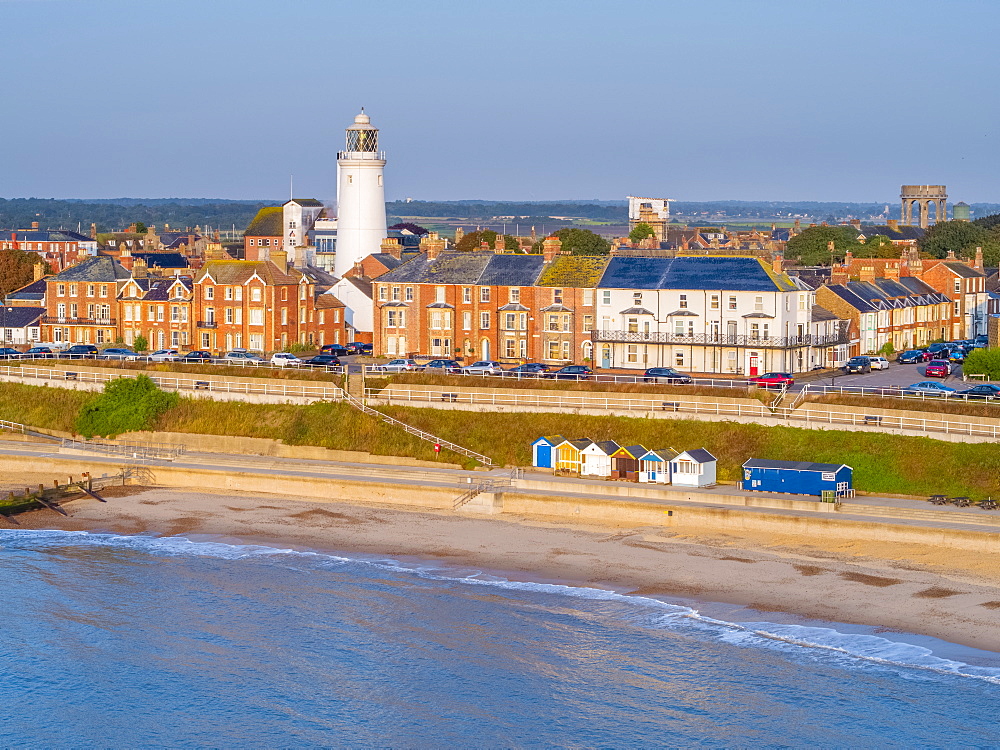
595	459
625	462
693	469
798	478
654	466
567	455
541	450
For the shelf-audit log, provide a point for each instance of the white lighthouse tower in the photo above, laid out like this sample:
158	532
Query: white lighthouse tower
360	196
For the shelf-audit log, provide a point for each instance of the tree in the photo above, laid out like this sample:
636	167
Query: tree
878	246
960	237
811	246
472	241
17	268
140	344
126	405
583	242
140	228
641	231
410	227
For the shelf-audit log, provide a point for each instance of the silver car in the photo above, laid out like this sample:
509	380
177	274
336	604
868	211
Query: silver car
398	365
485	367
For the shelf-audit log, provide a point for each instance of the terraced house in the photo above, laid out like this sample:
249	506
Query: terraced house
81	303
158	309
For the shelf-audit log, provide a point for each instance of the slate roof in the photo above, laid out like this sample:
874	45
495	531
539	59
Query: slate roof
821	313
962	270
664	453
887	294
512	270
33	291
477	268
21	317
701	455
45	235
267	223
387	260
764	463
307	202
608	446
574	271
633	450
708	272
162	260
100	269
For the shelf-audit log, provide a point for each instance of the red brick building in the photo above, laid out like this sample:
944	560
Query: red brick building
81	303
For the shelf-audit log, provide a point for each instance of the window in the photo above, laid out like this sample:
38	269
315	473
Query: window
229	292
684	302
803	298
484	294
732	303
678	358
72	290
715	302
606	297
553	323
557	296
408	295
257	342
303	289
284	316
687	467
958	286
395	294
238	293
184	315
632	325
61	310
60	290
588	323
958	308
510	348
553	350
758	304
383	293
210	314
510	322
209	292
255	294
175	314
284	294
229	316
637	298
390	319
566	323
91	290
104	290
128	313
402	318
302	315
467	295
565	350
588	297
484	321
523	348
522	319
99	338
151	313
467	321
632	353
439	292
159	313
515	295
256	318
755	330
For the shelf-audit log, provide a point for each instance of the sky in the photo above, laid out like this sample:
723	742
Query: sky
515	100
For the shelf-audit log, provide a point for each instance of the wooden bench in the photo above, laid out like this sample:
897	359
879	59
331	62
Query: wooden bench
449	397
70	376
670	405
200	385
874	419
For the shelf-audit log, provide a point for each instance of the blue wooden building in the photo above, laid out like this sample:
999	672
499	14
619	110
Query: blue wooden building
798	478
542	454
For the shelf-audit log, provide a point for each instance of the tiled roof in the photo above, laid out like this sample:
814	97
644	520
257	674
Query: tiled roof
887	294
738	274
101	268
387	260
307	202
325	301
20	317
240	271
963	270
701	455
574	271
267	223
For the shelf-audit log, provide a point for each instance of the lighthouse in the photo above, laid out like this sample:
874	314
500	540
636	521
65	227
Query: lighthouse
360	196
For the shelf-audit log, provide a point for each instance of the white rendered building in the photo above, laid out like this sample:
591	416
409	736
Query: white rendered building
299	215
360	196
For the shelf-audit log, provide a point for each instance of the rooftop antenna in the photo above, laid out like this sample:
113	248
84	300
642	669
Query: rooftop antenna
291	187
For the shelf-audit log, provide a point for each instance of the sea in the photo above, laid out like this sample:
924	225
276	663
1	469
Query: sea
148	641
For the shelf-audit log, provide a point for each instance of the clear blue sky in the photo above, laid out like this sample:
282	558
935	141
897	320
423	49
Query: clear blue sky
519	99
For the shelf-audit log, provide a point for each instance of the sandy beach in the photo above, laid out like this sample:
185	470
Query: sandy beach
910	588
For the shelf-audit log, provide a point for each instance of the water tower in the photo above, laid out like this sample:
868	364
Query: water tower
923	196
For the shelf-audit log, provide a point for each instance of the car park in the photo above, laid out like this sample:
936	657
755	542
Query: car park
773	380
38	352
666	375
322	360
337	350
81	351
398	365
571	372
938	368
117	353
285	359
165	355
928	388
911	357
483	367
198	355
982	392
443	366
8	353
527	370
857	365
242	356
878	363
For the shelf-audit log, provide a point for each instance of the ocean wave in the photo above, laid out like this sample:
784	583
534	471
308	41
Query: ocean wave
847	647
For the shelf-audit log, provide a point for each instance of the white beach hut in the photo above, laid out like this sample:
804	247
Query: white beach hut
654	466
595	459
694	469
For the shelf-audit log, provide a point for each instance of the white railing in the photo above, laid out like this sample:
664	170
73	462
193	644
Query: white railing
454	447
125	448
883	392
12	426
219	362
565	400
262	387
892	422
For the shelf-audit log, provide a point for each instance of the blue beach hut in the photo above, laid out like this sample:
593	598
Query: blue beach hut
798	477
654	466
541	451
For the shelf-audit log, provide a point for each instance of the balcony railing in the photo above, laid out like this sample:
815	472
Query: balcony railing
719	339
79	321
208	324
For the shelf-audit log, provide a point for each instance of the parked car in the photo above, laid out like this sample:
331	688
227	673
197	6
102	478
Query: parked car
938	368
198	355
528	370
956	355
398	365
665	375
914	356
322	360
982	392
981	339
165	355
242	356
878	363
935	348
8	353
483	367
358	347
285	359
857	365
117	353
38	352
443	366
337	350
928	388
80	351
571	372
773	380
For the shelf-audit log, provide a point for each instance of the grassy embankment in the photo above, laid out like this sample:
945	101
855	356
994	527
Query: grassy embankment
273	373
882	463
941	407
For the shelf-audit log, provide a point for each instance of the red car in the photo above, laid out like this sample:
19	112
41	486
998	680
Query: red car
774	380
937	368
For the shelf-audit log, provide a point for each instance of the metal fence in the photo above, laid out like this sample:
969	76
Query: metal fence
884	392
177	383
215	362
132	450
12	426
891	422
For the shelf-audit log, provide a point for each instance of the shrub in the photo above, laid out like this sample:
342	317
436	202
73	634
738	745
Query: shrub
126	405
140	344
296	348
983	362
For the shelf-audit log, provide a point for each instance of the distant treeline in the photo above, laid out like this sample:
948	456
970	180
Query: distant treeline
18	213
486	210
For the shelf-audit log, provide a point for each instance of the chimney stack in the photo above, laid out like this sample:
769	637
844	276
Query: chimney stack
139	269
777	263
498	244
856	223
39	271
280	259
893	224
93	230
978	262
432	245
34	225
391	246
950	255
459	234
551	247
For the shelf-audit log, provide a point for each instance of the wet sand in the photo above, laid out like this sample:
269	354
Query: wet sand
943	593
